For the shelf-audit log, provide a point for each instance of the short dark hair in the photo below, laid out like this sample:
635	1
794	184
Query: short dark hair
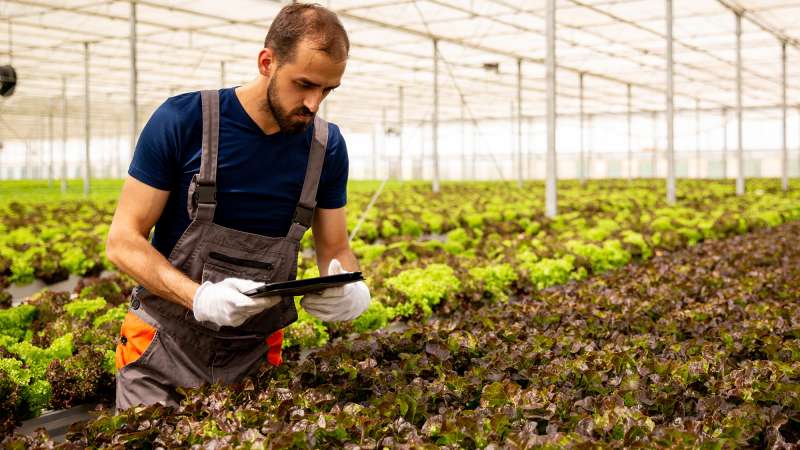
314	22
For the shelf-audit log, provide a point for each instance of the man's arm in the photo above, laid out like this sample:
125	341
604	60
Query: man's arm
330	239
340	303
139	207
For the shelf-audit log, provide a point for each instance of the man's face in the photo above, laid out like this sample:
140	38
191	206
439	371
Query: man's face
297	88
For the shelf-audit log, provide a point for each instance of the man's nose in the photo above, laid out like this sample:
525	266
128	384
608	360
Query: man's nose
313	101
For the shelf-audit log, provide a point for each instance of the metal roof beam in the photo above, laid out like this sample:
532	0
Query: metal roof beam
757	21
491	50
662	36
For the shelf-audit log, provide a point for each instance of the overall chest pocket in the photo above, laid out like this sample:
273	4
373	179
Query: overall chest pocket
219	266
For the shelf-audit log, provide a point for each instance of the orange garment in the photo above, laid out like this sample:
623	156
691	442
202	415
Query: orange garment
274	346
135	336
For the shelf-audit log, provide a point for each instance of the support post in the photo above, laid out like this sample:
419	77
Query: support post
589	144
400	130
739	133
419	167
654	156
724	143
475	135
87	174
435	119
134	79
463	141
582	157
670	116
382	145
785	149
511	138
222	80
64	134
697	137
519	122
118	147
50	138
630	134
551	195
374	152
26	170
530	150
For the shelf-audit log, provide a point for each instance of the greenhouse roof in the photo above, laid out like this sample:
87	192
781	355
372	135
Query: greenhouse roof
610	44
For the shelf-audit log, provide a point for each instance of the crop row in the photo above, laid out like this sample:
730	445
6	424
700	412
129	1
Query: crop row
502	250
490	261
57	349
698	348
50	240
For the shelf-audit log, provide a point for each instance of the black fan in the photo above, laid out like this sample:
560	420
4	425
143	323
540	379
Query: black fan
8	80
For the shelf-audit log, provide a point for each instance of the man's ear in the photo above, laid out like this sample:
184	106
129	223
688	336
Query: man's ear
266	62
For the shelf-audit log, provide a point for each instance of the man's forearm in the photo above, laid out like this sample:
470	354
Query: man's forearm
344	255
139	259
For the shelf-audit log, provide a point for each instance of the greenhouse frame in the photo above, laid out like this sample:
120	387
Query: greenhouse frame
538	224
98	69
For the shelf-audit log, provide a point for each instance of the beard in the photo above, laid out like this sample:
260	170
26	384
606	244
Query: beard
284	118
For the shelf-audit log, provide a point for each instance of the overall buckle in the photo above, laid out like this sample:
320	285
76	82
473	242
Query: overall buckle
205	194
303	215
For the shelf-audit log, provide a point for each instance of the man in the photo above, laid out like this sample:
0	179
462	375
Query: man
232	179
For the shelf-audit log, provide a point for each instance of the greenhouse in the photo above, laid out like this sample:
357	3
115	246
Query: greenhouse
400	224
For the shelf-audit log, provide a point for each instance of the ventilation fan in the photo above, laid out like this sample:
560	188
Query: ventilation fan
8	80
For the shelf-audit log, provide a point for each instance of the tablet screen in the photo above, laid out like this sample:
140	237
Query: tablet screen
304	286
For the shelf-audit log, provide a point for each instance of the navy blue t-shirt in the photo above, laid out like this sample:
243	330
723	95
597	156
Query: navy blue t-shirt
259	176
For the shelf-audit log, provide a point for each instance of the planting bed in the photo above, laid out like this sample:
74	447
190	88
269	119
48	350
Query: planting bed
699	347
478	255
57	350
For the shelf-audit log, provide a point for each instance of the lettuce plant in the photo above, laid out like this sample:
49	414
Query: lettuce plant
494	281
421	289
81	309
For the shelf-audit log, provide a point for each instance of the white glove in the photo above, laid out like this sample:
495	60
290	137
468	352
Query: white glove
224	304
338	303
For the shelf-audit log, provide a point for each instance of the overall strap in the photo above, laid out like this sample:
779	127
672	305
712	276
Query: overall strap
304	212
203	189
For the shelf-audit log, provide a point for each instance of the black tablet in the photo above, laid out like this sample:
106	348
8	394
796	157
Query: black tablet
301	287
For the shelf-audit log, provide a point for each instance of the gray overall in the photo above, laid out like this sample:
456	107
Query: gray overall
185	352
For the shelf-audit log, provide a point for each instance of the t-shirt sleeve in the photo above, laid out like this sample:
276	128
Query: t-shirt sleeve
156	157
332	192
